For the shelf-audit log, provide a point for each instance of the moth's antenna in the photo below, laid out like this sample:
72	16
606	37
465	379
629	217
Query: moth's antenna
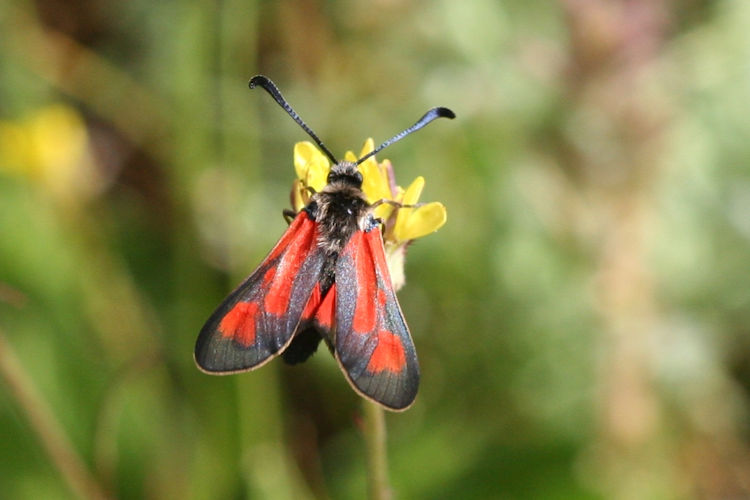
272	89
432	114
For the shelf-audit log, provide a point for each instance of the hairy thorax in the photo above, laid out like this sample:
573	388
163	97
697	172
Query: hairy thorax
340	210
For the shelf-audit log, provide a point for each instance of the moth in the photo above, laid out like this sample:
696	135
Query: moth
326	279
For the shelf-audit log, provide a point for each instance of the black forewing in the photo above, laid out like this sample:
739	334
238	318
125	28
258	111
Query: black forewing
259	318
372	342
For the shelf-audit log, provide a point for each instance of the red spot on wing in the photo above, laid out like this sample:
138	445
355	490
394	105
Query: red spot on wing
327	310
268	276
381	297
388	354
365	311
296	250
374	241
312	304
301	222
239	323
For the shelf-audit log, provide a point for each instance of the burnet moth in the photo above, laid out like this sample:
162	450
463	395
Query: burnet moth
326	279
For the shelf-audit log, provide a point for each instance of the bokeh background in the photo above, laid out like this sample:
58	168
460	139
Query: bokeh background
582	319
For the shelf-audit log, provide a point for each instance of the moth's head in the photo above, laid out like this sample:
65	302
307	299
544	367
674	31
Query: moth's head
345	172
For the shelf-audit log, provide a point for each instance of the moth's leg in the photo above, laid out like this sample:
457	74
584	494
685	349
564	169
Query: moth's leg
380	222
289	215
394	204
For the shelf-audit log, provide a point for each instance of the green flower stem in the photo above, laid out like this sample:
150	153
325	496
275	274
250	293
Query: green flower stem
377	453
42	421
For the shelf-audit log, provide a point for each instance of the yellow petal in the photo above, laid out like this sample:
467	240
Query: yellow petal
367	147
303	151
300	195
317	176
383	211
399	194
311	165
413	223
408	197
374	183
413	192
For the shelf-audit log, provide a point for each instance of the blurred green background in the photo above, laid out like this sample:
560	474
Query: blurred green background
582	319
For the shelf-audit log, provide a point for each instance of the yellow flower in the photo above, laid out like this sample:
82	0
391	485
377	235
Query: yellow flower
312	169
311	165
404	218
415	221
51	149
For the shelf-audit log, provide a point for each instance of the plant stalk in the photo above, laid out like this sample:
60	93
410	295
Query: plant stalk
377	452
42	421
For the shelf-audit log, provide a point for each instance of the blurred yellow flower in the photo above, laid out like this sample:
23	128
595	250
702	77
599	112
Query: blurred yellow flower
51	148
404	218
